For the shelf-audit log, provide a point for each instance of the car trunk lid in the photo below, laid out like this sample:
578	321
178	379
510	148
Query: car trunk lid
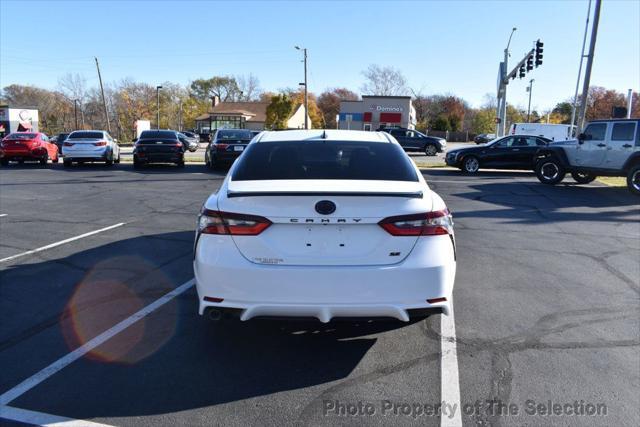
300	235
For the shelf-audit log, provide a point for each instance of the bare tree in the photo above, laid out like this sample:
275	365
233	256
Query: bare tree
384	81
249	87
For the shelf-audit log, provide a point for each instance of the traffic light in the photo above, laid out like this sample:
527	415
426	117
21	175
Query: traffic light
522	72
529	63
539	46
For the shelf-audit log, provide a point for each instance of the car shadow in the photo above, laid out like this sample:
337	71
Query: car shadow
175	358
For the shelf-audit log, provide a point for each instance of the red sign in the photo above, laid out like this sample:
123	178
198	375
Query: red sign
391	117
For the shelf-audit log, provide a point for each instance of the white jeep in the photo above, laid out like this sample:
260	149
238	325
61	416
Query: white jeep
605	148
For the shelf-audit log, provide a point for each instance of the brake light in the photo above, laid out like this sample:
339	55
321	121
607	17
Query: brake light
100	143
221	147
67	144
424	224
217	222
178	144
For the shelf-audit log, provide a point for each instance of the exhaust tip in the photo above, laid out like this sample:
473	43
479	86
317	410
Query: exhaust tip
215	314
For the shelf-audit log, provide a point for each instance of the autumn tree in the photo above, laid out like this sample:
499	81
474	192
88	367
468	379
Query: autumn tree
279	111
329	104
224	87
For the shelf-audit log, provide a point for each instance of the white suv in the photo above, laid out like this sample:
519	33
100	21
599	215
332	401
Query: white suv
605	148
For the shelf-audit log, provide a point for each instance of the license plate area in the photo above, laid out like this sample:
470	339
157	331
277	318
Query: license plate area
238	148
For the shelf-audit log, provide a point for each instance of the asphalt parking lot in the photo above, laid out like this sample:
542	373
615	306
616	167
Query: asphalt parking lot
546	312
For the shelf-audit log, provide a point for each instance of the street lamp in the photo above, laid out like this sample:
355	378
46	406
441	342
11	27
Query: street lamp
306	96
158	104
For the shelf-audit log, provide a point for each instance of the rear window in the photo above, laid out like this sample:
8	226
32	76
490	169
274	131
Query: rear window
22	135
158	134
324	160
234	134
86	135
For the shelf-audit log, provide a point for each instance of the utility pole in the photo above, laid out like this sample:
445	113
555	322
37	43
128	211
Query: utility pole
104	101
158	105
629	103
587	75
180	118
75	111
529	89
306	94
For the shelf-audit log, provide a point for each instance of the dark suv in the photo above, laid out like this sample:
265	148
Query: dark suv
159	146
226	145
412	140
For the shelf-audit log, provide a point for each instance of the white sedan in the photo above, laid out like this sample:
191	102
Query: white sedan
324	224
90	146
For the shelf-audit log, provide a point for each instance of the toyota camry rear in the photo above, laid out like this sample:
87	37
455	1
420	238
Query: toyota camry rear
324	224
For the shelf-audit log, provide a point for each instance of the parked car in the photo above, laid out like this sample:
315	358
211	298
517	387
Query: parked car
27	147
412	140
90	146
59	140
509	152
483	138
605	148
554	132
192	135
226	145
190	142
325	224
158	146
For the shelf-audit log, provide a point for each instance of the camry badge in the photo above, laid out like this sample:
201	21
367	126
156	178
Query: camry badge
325	207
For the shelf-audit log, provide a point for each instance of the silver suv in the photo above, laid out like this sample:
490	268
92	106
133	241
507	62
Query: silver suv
605	148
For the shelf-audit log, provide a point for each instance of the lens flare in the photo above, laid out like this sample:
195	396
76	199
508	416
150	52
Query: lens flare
110	292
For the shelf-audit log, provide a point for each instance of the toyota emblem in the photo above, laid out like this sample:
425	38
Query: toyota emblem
325	207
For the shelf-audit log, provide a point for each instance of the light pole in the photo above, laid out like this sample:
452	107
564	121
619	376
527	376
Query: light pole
503	105
306	95
158	104
75	111
529	89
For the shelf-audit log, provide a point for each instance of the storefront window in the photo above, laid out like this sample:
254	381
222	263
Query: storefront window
227	122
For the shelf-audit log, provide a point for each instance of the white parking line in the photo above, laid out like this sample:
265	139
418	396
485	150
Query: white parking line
1	215
62	242
449	381
42	419
76	354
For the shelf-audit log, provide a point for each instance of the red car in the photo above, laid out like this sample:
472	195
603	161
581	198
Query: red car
27	146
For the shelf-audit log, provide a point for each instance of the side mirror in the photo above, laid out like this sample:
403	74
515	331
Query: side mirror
115	140
582	137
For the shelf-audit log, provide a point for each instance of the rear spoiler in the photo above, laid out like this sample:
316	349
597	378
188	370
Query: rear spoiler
408	195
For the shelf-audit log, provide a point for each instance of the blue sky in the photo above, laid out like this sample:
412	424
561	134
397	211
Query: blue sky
440	46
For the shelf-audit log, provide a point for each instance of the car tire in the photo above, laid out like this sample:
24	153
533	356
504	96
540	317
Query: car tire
4	162
633	179
66	163
117	160
470	164
180	164
44	160
137	164
583	178
430	150
550	171
56	160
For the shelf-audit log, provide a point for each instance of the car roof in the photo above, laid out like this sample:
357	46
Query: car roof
323	135
613	120
88	130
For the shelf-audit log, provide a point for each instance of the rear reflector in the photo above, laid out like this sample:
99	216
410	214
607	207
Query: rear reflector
213	299
423	224
435	300
217	222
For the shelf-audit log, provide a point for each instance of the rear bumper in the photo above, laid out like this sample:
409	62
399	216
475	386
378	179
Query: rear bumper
324	292
226	156
159	157
100	155
22	155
